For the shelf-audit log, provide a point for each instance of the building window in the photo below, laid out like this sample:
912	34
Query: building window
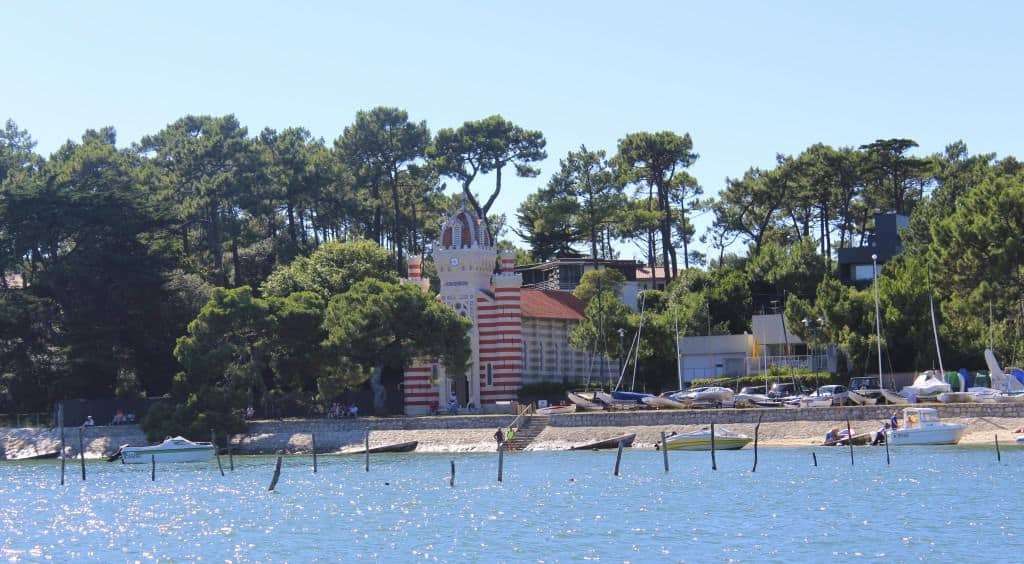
435	375
863	272
490	374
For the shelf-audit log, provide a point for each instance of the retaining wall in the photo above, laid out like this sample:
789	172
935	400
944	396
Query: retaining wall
782	414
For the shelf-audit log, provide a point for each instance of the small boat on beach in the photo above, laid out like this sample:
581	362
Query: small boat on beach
859	439
626	440
701	440
584	400
956	397
407	446
710	395
861	399
172	449
664	401
556	409
894	398
921	426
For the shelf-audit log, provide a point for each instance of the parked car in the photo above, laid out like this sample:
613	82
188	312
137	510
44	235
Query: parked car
840	395
785	390
753	390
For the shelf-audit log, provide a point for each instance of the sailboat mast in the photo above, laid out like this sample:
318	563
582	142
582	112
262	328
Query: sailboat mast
639	330
679	366
878	318
935	330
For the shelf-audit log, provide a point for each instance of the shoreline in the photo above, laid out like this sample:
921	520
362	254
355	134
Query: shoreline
474	433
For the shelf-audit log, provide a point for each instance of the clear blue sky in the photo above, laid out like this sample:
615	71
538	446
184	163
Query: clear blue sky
746	80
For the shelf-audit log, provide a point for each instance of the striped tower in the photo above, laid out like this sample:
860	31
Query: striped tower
421	379
500	322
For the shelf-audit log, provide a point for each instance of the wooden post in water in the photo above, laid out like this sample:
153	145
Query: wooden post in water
849	439
152	468
885	436
231	457
757	429
999	457
81	451
501	460
277	475
312	437
451	480
63	453
618	459
714	465
664	450
216	449
367	445
814	457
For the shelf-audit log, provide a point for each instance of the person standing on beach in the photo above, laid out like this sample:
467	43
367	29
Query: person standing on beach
499	436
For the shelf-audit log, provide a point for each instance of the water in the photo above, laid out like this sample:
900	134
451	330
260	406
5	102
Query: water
941	502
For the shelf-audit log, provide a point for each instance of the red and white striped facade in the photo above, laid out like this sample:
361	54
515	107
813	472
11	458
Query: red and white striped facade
465	259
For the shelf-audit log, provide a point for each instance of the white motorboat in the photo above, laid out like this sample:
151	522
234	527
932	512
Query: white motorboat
921	426
556	409
173	449
701	440
926	384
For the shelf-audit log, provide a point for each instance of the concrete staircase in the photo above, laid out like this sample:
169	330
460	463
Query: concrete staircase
531	426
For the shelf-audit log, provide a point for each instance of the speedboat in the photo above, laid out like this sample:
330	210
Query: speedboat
701	440
173	449
556	409
921	426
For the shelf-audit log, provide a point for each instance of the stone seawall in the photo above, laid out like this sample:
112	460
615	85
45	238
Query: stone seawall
99	442
474	433
773	415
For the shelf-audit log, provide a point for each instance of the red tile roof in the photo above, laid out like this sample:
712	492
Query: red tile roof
550	304
644	273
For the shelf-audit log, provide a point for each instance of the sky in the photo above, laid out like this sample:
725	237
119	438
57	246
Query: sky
746	80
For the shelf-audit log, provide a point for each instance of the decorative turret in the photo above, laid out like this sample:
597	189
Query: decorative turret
465	246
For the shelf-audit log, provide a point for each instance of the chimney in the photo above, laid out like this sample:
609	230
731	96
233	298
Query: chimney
415	267
508	262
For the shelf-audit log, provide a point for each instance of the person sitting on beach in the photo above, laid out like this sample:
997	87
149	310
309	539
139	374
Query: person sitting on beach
499	436
249	412
453	405
118	418
353	411
511	434
1019	430
88	422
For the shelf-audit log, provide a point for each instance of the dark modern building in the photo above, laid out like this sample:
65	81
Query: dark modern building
855	265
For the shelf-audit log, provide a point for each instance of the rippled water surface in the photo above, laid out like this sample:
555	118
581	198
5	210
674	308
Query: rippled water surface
946	503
